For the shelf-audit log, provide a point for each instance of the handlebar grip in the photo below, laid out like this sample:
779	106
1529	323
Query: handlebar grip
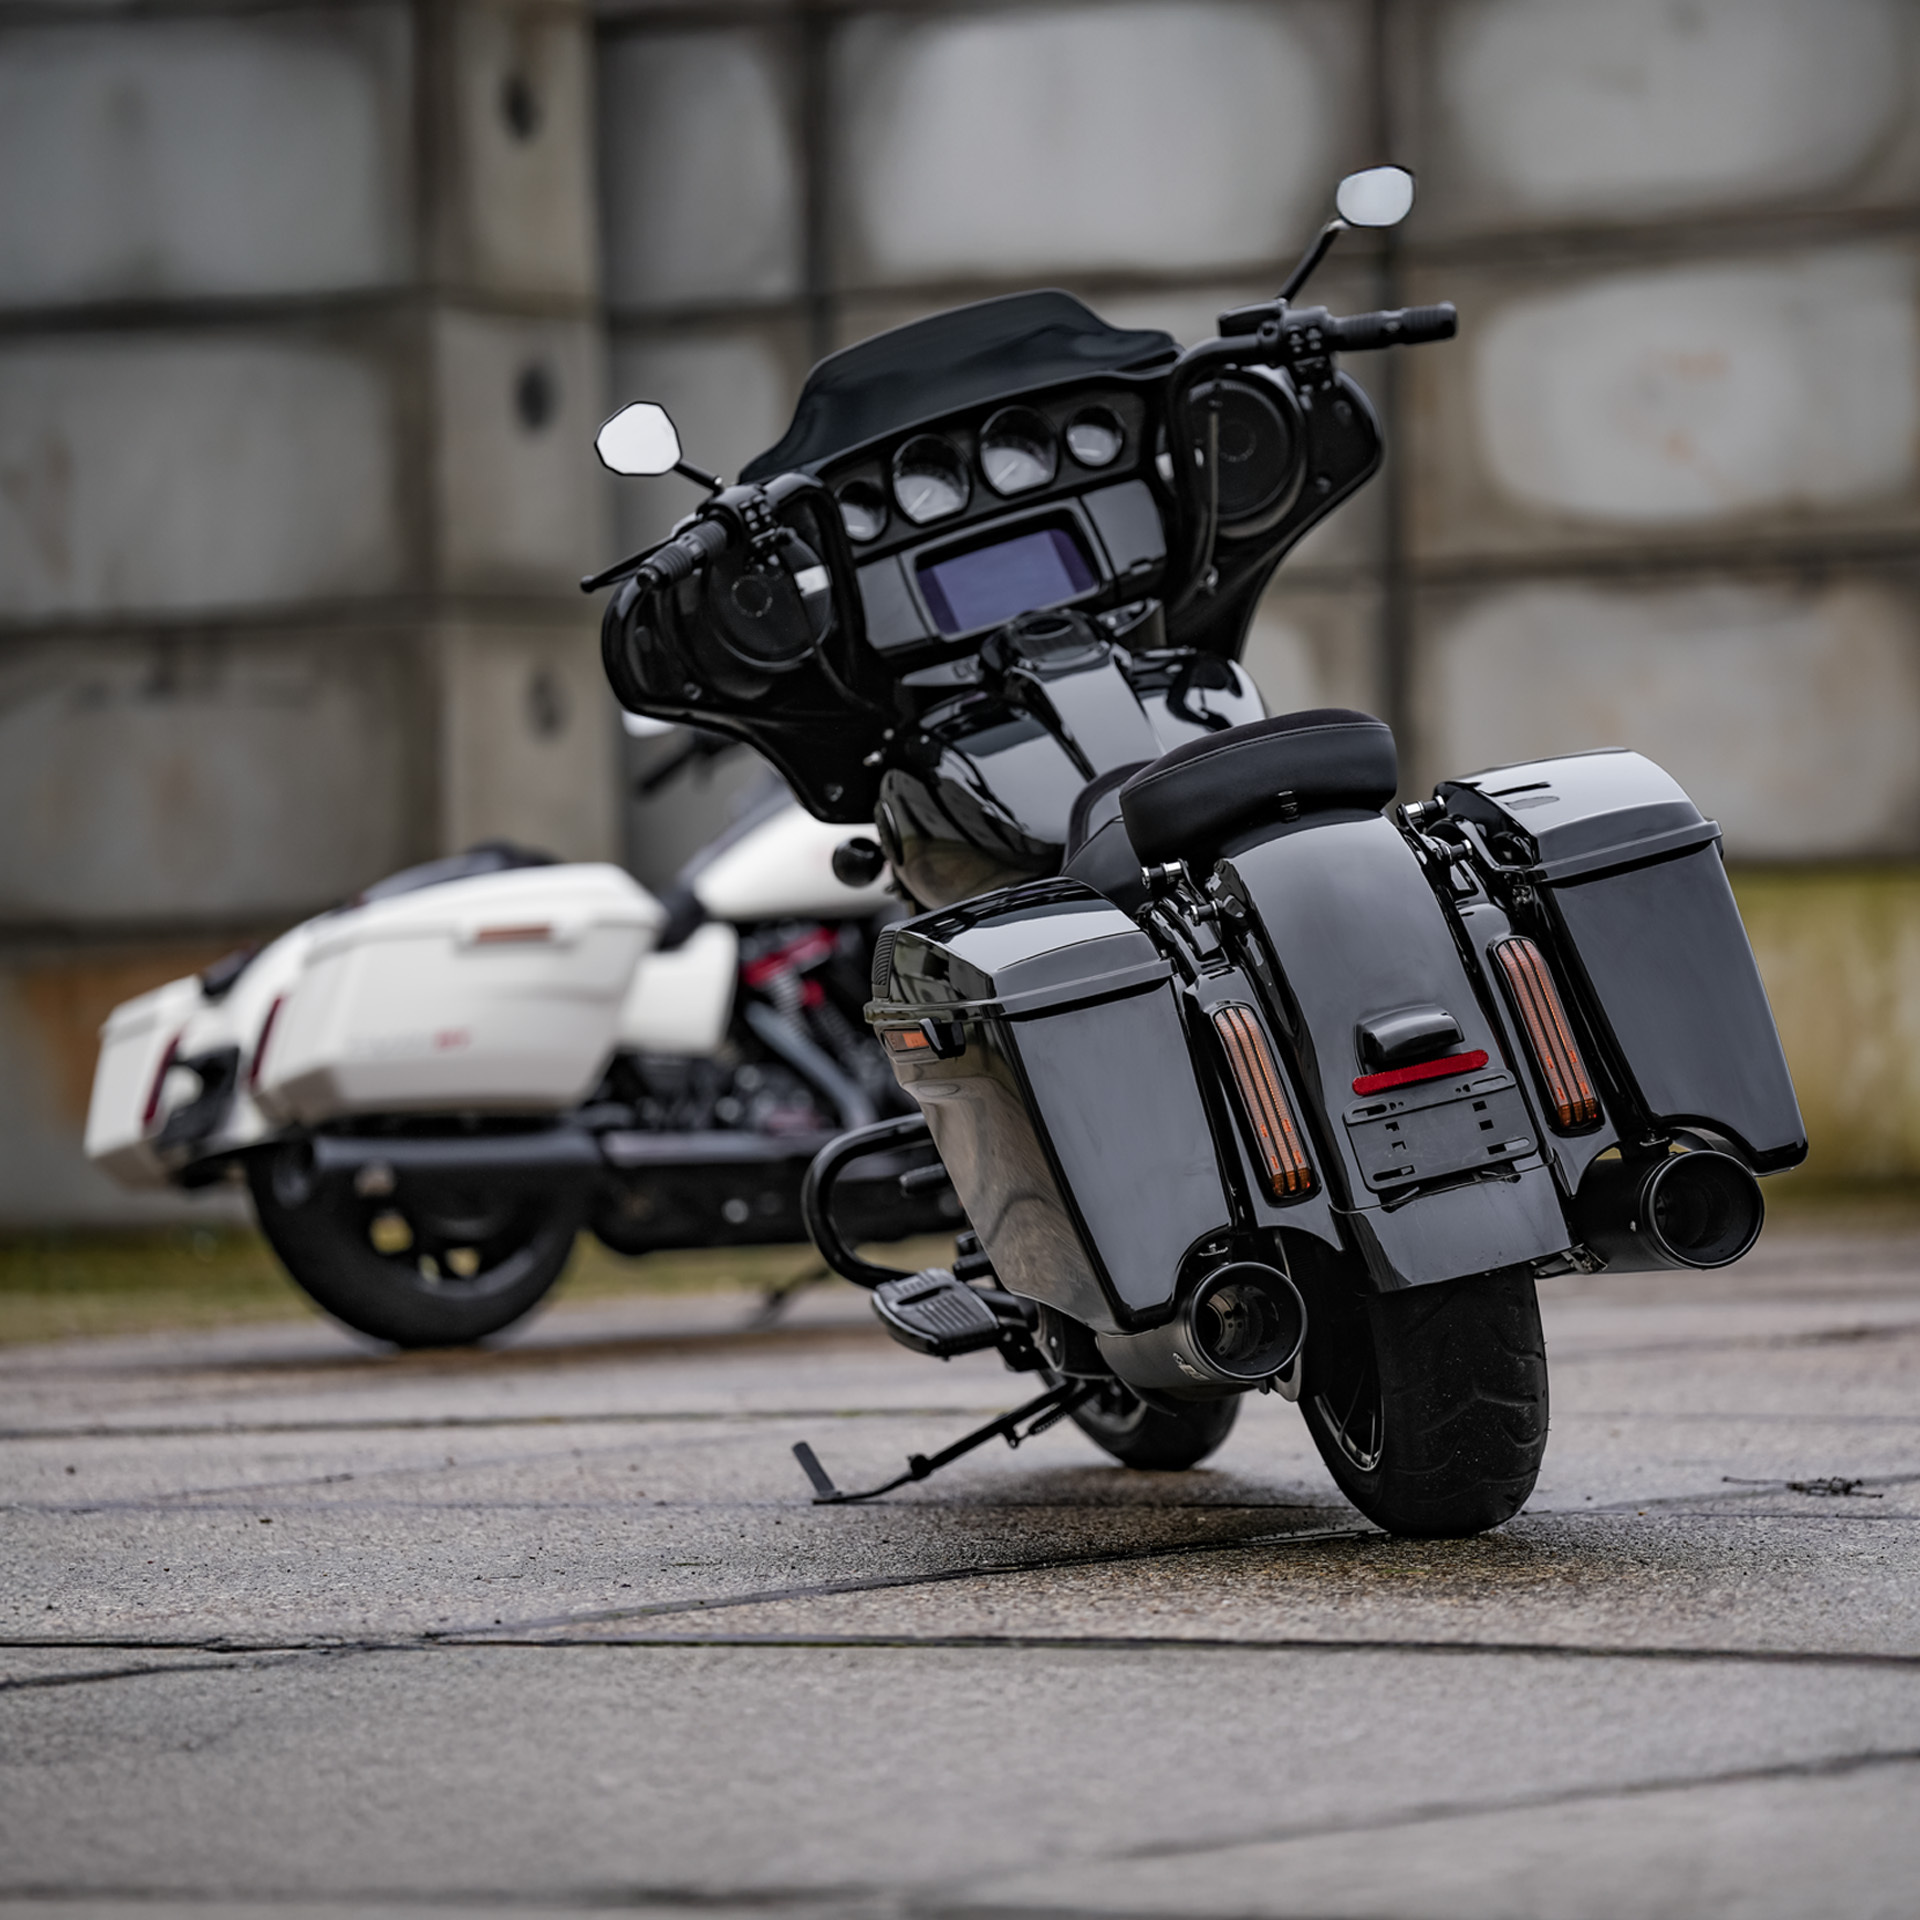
686	553
1406	327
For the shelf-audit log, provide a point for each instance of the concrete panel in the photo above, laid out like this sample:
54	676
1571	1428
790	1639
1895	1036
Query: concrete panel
1316	648
252	155
1743	399
165	472
699	169
529	736
730	393
1545	110
213	778
52	1004
1790	713
1152	136
523	502
522	132
1840	954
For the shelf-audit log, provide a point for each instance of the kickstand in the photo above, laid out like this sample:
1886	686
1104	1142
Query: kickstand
775	1300
1053	1405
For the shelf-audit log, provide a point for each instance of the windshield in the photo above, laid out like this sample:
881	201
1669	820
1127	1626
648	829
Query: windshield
950	360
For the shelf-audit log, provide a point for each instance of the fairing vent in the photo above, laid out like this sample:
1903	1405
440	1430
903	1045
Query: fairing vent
883	961
1263	1097
1571	1101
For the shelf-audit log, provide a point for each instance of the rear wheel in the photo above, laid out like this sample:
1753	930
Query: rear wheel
1429	1406
436	1265
1138	1435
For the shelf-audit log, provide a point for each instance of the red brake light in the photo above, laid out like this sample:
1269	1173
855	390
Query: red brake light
167	1059
260	1047
1426	1070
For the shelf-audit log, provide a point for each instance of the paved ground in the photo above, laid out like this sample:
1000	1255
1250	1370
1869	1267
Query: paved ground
294	1628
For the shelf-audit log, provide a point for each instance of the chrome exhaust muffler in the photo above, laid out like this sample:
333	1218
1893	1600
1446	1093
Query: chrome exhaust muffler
1696	1209
1244	1323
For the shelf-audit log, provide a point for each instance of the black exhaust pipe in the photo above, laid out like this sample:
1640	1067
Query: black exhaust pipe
1242	1324
1698	1209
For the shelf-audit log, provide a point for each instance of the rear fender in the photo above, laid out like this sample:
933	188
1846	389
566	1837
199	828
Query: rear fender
1432	1177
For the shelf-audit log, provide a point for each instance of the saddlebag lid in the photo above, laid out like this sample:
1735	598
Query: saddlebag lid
1037	948
1579	814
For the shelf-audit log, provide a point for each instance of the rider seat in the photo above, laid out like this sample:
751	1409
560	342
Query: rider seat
1207	792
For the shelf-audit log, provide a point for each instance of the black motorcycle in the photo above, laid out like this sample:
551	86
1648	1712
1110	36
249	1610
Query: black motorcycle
1243	1084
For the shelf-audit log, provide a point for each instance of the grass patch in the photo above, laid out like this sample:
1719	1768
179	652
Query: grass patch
66	1286
1817	1203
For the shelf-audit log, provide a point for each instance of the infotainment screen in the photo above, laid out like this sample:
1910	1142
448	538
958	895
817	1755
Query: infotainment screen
992	584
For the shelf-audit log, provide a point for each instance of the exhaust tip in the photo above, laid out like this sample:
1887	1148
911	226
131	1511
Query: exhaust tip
1244	1323
1247	1321
1703	1208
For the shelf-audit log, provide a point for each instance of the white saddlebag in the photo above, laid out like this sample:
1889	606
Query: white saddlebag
127	1109
501	993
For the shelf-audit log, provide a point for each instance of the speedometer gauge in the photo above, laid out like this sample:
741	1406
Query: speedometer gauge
929	479
1016	451
1095	437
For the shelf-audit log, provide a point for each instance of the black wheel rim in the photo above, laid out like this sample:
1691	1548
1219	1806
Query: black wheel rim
1350	1409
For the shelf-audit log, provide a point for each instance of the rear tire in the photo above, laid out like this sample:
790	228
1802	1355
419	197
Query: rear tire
1154	1441
1429	1406
458	1266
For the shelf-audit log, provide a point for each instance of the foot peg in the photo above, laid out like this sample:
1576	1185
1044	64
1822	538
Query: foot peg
931	1312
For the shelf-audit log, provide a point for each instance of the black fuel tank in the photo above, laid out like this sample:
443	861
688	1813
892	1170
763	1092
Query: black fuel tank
1039	1030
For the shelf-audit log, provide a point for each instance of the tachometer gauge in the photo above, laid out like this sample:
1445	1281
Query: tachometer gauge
1016	451
1095	436
929	479
863	510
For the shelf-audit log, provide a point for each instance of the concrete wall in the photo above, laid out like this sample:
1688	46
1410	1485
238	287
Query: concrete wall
310	311
299	365
1662	492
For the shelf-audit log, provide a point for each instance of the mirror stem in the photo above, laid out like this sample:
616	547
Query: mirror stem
1311	259
712	482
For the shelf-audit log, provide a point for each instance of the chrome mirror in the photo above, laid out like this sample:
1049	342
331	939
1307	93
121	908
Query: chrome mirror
1378	197
639	439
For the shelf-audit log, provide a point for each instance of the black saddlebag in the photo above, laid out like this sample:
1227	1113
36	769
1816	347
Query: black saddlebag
1041	1034
1615	867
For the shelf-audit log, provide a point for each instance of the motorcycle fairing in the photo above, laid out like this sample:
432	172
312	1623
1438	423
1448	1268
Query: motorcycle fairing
964	357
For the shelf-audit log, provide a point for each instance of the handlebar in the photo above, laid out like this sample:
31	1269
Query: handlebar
1402	327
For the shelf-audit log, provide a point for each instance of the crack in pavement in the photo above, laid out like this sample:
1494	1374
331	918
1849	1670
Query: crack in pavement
450	1423
954	1902
237	1650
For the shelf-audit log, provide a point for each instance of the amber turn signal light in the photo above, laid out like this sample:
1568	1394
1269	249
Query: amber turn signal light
1571	1100
1264	1098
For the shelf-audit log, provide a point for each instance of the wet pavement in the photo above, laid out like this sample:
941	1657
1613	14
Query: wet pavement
289	1626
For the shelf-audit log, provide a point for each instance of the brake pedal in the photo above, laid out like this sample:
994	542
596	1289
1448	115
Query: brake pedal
932	1312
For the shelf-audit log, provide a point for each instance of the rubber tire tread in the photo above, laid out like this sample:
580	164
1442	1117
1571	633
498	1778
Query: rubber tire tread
1463	1379
331	1262
1155	1441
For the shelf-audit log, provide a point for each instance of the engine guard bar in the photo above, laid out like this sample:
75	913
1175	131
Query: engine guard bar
816	1194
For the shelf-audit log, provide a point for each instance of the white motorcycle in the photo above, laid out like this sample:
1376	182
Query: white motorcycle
431	1090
